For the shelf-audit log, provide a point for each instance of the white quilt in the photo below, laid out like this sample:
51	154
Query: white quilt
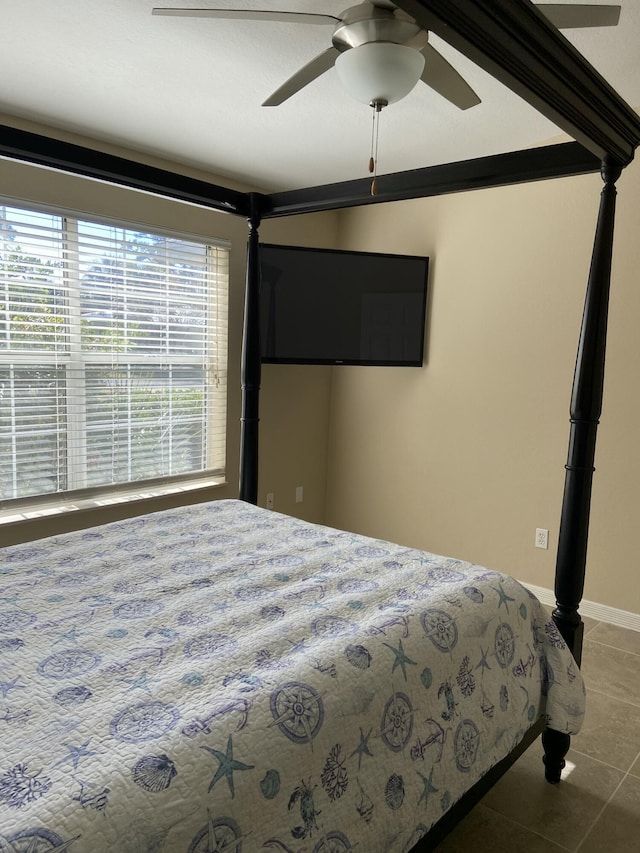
224	678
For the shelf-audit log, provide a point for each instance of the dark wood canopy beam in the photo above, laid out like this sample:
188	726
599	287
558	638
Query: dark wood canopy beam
516	167
516	44
77	159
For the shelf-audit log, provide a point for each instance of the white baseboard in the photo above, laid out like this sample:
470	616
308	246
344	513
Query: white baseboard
601	612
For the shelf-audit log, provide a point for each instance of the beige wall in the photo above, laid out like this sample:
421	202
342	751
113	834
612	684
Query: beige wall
294	402
295	407
466	455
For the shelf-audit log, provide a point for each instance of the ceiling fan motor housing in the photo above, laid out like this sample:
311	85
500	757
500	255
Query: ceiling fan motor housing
368	23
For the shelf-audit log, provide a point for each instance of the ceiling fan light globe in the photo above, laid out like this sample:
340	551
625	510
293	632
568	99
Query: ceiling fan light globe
379	71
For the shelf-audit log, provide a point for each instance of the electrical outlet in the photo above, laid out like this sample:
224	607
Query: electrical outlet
542	537
269	503
299	494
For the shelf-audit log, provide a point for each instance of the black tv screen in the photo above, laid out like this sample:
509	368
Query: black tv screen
326	306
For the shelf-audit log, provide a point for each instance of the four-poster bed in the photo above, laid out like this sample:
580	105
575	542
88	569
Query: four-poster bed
513	42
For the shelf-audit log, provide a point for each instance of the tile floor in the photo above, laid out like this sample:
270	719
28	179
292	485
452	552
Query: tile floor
596	808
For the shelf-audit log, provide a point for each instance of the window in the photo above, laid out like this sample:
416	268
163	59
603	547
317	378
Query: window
113	347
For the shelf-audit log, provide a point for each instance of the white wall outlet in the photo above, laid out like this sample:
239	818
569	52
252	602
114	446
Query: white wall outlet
269	503
542	537
299	494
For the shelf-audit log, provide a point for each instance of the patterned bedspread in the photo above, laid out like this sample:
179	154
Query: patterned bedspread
224	678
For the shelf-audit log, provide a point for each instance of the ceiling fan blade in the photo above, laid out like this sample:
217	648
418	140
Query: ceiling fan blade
305	75
564	16
248	15
418	41
443	77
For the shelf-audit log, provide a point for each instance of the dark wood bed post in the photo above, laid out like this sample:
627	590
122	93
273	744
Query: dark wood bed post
586	406
250	369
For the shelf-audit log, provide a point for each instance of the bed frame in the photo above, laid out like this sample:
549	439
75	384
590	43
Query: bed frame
513	41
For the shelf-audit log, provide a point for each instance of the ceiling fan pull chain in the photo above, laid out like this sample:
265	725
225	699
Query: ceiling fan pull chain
372	162
375	132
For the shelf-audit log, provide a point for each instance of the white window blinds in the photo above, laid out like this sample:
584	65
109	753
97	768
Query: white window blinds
113	347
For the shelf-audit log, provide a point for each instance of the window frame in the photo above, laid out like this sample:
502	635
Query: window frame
215	365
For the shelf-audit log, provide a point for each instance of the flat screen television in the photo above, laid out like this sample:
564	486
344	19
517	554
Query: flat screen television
327	306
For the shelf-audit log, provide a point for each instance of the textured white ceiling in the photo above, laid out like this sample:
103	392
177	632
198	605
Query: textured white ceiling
189	90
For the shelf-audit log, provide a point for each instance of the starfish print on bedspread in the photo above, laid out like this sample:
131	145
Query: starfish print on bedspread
140	683
504	598
76	753
484	663
429	788
7	686
363	747
70	636
227	765
401	659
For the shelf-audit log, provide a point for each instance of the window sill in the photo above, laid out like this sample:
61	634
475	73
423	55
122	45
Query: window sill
60	507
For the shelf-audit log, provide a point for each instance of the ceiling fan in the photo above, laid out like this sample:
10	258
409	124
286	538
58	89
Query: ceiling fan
377	29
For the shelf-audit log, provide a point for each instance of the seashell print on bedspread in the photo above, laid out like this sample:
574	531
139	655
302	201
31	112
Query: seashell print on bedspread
224	678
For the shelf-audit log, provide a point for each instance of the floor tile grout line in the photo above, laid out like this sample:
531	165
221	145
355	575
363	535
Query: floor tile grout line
546	838
609	696
601	812
625	774
591	689
609	646
530	830
599	760
591	629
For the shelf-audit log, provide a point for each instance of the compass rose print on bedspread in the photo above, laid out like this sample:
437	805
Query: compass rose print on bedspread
298	711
